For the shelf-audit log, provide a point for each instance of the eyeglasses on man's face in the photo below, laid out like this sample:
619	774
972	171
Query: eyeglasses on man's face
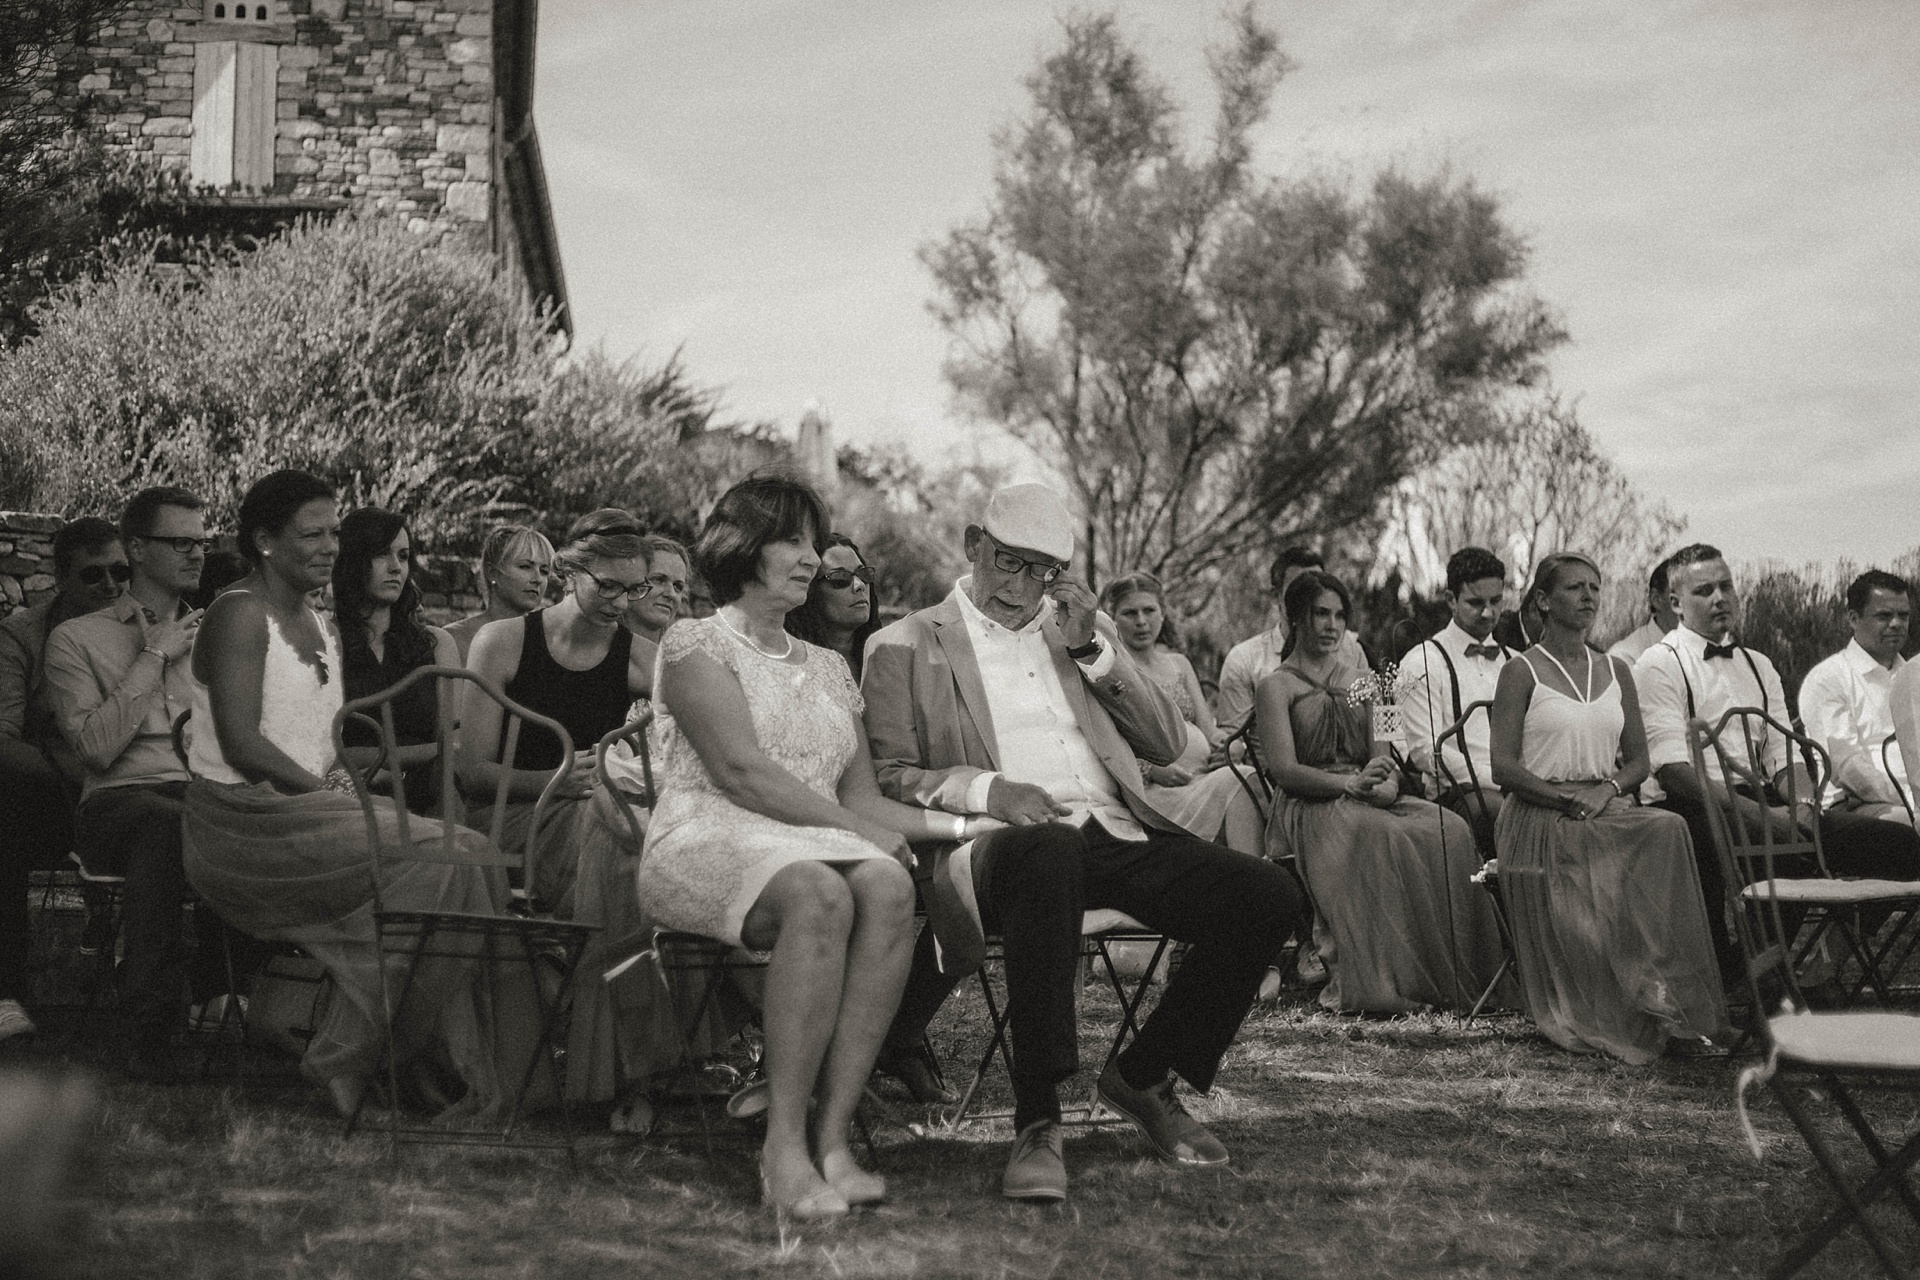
841	579
181	546
609	589
95	574
1041	571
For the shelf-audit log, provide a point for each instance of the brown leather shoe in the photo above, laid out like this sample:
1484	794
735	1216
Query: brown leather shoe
920	1075
1037	1166
1173	1134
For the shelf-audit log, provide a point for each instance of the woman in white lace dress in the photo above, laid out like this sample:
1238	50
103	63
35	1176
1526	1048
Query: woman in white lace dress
276	841
771	833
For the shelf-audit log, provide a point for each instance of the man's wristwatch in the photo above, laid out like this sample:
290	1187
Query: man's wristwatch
1085	652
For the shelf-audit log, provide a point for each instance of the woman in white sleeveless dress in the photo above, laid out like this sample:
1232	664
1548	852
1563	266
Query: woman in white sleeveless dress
276	841
1609	927
771	833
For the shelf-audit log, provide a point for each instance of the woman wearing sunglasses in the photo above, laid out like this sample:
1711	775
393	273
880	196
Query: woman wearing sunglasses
839	613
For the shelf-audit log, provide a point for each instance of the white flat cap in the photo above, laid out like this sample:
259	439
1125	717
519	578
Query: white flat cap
1031	517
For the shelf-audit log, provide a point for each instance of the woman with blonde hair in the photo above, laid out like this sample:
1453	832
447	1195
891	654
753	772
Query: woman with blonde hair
516	563
1608	925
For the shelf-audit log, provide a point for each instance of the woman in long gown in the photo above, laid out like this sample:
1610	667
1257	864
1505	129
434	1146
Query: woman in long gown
1397	921
276	841
1608	923
771	833
1210	803
576	663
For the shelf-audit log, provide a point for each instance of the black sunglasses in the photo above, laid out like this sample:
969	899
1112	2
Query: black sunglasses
841	579
95	574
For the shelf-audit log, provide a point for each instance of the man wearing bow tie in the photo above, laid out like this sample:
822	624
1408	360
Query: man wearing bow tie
1701	669
1455	669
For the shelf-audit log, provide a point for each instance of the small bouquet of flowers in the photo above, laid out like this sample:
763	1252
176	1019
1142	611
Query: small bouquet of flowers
1384	689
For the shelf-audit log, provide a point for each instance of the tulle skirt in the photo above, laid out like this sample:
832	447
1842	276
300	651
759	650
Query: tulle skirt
1610	931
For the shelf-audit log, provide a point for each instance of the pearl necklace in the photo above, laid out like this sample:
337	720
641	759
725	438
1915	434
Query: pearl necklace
749	641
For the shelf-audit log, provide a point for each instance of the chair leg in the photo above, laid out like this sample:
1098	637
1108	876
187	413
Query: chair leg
997	1016
1499	975
1843	1098
1853	1206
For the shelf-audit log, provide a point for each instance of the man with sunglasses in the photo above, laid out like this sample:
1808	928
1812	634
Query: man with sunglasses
116	680
39	775
1014	699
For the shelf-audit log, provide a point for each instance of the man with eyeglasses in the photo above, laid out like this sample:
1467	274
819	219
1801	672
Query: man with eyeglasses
116	680
1014	699
39	775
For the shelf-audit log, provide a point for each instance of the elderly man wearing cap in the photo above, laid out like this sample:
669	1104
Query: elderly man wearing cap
1014	699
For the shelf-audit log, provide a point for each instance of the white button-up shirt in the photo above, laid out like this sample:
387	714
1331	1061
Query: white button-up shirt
1678	663
1636	642
1846	703
1427	710
1037	738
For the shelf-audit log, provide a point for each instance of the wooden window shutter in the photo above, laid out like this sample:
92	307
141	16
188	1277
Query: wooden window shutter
234	88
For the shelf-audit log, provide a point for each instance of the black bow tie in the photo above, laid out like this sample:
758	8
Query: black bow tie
1720	651
1483	651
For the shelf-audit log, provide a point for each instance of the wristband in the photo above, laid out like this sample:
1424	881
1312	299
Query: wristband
959	827
1081	652
1618	790
158	653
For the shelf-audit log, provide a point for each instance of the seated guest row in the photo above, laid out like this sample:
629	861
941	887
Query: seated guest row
1046	757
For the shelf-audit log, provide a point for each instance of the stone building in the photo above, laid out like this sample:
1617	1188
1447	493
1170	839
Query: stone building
421	109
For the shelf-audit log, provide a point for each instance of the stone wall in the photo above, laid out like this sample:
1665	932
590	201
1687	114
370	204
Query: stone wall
26	559
386	104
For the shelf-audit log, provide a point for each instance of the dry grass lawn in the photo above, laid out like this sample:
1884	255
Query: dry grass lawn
1418	1146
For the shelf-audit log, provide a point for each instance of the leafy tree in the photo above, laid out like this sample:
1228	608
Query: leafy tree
1218	363
1540	485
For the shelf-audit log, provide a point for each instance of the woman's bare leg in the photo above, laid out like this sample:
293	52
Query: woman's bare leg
806	912
878	954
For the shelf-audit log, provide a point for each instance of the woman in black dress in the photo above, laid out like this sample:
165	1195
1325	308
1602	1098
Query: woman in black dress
377	607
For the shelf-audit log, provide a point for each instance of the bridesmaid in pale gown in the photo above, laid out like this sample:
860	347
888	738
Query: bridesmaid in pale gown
1209	803
1608	922
1397	921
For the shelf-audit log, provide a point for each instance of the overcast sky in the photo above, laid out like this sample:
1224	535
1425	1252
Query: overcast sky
1723	201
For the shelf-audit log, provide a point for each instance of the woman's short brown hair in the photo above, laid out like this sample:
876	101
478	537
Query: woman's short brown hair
758	511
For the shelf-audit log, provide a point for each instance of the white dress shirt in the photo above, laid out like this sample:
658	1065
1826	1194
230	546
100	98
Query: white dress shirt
1253	660
1846	703
1427	710
1037	738
1905	697
1663	677
1636	642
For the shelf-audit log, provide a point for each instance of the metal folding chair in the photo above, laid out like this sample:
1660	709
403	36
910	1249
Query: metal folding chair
1252	775
1836	1052
1488	876
1792	870
1099	931
514	936
677	958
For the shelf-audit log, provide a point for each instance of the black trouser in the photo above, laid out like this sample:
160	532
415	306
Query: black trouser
36	830
135	832
1480	806
1034	883
1854	845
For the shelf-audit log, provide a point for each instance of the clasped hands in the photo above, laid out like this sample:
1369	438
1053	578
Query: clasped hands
1374	784
1582	803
